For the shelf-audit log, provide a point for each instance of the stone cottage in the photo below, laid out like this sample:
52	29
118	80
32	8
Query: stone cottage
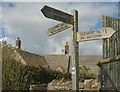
60	62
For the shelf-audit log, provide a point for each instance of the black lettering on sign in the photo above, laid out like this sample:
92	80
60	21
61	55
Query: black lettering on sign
98	31
82	34
88	37
82	38
104	31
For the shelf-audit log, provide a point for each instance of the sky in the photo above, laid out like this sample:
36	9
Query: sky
26	21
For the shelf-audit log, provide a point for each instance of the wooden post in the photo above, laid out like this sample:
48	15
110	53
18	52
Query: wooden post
75	54
0	66
111	46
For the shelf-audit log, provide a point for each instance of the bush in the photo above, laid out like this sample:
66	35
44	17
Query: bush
84	74
91	76
66	76
16	76
19	77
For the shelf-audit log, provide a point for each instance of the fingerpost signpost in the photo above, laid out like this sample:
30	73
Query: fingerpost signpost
71	20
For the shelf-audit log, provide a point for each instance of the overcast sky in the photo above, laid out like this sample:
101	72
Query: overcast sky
25	20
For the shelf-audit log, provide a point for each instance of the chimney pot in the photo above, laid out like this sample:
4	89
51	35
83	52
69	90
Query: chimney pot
18	43
66	43
18	38
66	48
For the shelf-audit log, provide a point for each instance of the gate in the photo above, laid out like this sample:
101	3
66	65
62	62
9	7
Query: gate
110	74
111	46
110	67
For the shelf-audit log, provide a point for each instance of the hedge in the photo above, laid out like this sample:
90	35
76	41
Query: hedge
16	76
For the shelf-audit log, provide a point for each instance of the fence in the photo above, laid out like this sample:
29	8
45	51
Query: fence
110	67
110	74
111	46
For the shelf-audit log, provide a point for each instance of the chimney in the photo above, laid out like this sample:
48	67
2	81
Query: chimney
18	43
66	48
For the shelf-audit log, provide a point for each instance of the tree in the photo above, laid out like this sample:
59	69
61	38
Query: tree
7	50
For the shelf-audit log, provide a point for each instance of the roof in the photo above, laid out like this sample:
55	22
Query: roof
63	60
33	59
55	60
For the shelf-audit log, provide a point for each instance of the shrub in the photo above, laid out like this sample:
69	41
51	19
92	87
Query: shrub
84	74
67	76
16	76
91	76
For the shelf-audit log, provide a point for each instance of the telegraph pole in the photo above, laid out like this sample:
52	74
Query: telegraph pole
75	52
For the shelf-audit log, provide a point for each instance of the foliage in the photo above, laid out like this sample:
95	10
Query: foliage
91	76
16	76
85	74
7	50
66	76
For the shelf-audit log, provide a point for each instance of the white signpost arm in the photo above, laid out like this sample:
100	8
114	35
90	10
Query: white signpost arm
95	34
75	53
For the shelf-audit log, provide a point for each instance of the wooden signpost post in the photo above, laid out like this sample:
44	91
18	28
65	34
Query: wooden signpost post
69	19
72	21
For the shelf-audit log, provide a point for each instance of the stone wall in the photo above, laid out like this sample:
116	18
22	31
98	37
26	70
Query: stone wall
67	85
38	87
